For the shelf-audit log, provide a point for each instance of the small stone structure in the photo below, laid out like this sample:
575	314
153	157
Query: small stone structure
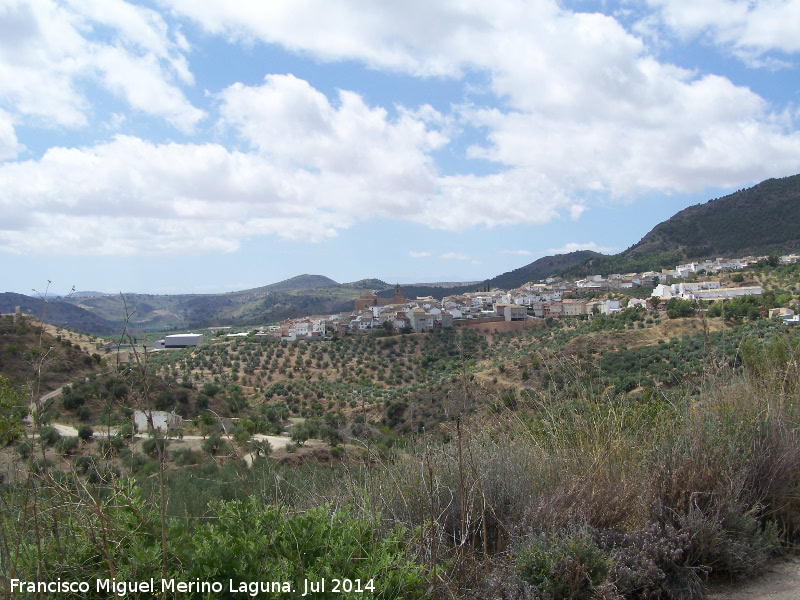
162	420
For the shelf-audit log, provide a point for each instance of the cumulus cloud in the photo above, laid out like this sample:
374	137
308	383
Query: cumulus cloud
573	105
750	29
517	252
454	256
414	254
313	169
512	197
48	51
135	197
294	124
584	104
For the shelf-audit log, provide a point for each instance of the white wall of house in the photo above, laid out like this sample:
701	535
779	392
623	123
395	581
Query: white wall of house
162	420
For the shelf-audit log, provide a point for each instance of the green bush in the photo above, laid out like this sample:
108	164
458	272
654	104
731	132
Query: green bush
251	542
83	463
571	566
150	448
677	307
126	431
261	447
109	447
186	456
212	444
49	435
24	449
85	432
67	445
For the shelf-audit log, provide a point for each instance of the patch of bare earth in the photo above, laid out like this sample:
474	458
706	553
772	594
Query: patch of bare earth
781	582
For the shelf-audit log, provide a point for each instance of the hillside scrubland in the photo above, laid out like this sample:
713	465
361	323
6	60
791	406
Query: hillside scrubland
605	458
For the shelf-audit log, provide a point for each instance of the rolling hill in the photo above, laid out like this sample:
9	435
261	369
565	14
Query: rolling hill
298	283
34	358
755	221
294	297
538	269
60	312
759	220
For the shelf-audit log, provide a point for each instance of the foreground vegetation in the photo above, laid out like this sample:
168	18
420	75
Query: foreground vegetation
572	488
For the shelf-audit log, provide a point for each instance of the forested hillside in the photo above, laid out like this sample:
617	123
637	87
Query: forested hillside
756	221
759	220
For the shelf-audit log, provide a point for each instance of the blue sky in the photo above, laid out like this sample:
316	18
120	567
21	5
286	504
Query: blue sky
198	146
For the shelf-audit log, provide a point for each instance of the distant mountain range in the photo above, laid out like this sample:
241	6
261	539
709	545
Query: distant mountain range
757	221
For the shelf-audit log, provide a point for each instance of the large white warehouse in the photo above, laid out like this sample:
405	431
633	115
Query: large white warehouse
180	340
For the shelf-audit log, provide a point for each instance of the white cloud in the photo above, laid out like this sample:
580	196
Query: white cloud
580	107
49	50
454	256
414	254
517	196
584	104
517	252
574	247
291	122
412	36
749	28
350	162
9	145
139	80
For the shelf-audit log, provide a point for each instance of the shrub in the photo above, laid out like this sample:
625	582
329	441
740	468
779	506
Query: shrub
186	456
109	447
126	431
567	567
24	449
85	432
38	466
83	463
241	435
212	444
261	447
211	389
677	307
150	448
266	543
49	435
66	445
102	474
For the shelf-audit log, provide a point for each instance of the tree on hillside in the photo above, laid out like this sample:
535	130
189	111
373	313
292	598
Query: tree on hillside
677	307
12	405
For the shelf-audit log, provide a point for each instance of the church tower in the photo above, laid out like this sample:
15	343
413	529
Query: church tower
398	295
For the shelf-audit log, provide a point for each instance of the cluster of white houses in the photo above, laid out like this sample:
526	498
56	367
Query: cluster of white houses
427	314
542	299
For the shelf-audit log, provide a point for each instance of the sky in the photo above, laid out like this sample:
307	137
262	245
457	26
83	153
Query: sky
200	146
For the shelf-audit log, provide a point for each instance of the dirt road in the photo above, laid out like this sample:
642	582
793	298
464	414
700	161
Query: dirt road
781	582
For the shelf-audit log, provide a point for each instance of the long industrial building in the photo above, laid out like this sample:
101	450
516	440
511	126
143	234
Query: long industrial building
180	340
